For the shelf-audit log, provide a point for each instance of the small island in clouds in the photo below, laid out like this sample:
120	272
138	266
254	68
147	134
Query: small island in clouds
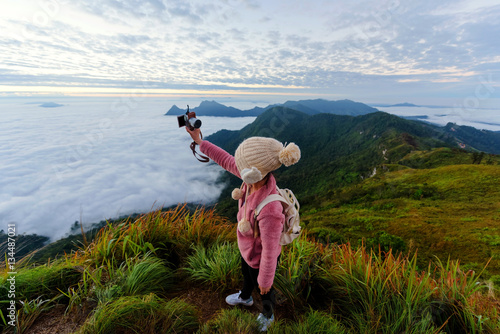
405	104
50	105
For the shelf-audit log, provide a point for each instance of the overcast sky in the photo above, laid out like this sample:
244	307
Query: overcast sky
426	52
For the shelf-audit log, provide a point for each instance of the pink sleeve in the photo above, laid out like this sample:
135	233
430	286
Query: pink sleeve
271	221
221	157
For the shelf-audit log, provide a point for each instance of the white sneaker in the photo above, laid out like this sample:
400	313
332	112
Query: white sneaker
264	322
235	299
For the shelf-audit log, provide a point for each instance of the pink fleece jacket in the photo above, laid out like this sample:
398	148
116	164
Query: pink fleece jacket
261	252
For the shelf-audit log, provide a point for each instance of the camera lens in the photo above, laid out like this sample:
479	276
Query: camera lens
195	123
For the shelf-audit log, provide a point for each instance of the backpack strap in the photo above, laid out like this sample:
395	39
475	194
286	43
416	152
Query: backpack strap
266	201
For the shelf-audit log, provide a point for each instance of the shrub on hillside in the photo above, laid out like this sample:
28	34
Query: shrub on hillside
386	242
43	281
298	264
217	266
327	236
163	233
142	314
388	295
135	277
229	321
312	322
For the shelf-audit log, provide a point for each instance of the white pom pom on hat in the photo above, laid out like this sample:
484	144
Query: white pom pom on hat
289	155
237	194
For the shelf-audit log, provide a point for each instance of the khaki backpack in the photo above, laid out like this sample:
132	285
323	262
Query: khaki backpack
291	226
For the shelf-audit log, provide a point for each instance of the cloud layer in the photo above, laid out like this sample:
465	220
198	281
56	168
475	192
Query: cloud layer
97	159
359	49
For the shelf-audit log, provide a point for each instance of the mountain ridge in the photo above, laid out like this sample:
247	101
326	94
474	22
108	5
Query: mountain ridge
310	107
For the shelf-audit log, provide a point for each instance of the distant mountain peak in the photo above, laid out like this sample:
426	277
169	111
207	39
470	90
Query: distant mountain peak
210	103
175	111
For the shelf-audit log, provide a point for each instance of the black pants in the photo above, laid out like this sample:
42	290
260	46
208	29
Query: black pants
250	283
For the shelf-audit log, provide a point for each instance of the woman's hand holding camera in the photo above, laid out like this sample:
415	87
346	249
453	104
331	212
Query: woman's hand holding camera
195	134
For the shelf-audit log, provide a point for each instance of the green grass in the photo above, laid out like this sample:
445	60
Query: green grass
142	314
387	294
164	233
312	322
218	266
296	268
43	281
237	320
230	321
128	281
437	157
138	276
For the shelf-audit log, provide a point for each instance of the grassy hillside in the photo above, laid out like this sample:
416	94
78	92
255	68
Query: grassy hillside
450	211
170	271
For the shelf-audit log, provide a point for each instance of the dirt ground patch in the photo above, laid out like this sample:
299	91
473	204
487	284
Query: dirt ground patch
54	321
209	303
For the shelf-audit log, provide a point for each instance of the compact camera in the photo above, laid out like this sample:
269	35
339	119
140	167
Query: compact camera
189	120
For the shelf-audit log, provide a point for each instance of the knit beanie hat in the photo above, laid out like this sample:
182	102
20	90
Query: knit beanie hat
257	156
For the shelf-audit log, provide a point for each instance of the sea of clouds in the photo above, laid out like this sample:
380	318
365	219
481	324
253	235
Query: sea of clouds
92	160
